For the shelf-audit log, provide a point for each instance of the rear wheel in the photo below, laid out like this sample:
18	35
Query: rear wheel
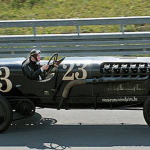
146	111
6	114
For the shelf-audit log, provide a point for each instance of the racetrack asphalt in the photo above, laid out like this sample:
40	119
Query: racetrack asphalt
78	130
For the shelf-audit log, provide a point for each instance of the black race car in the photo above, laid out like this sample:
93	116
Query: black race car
75	82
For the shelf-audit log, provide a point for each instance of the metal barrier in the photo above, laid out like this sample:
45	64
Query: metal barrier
77	44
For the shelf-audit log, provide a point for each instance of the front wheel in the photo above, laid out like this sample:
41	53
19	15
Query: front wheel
6	114
146	111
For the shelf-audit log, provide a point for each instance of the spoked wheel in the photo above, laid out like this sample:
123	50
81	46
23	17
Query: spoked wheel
52	61
53	58
6	114
146	111
26	108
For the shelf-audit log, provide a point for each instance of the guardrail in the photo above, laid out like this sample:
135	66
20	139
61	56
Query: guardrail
77	44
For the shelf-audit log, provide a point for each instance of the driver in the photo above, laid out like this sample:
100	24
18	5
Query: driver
31	66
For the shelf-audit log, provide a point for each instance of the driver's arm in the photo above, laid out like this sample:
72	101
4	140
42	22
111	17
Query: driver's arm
31	74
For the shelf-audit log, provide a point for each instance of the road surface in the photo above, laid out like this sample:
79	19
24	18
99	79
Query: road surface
78	130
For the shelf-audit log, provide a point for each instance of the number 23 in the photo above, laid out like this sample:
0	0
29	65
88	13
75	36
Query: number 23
76	74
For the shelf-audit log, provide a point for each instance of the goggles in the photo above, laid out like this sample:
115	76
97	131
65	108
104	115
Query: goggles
35	52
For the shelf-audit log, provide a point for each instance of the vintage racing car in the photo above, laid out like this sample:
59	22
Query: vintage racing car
76	82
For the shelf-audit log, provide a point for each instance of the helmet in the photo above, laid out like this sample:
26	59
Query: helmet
34	53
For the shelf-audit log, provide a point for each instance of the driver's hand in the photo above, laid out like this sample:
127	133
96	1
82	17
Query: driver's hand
45	67
54	64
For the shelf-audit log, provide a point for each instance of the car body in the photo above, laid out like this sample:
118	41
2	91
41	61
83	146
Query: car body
77	82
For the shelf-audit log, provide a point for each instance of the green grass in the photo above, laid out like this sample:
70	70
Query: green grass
65	9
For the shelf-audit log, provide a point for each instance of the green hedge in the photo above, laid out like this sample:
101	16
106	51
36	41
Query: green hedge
62	9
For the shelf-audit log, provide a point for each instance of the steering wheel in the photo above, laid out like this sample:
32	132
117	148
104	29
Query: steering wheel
52	61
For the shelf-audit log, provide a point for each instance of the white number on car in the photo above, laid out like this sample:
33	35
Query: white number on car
75	75
4	77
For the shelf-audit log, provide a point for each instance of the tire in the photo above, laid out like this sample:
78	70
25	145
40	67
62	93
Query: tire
146	111
6	114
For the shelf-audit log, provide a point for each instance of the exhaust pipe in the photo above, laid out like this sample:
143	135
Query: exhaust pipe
67	90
